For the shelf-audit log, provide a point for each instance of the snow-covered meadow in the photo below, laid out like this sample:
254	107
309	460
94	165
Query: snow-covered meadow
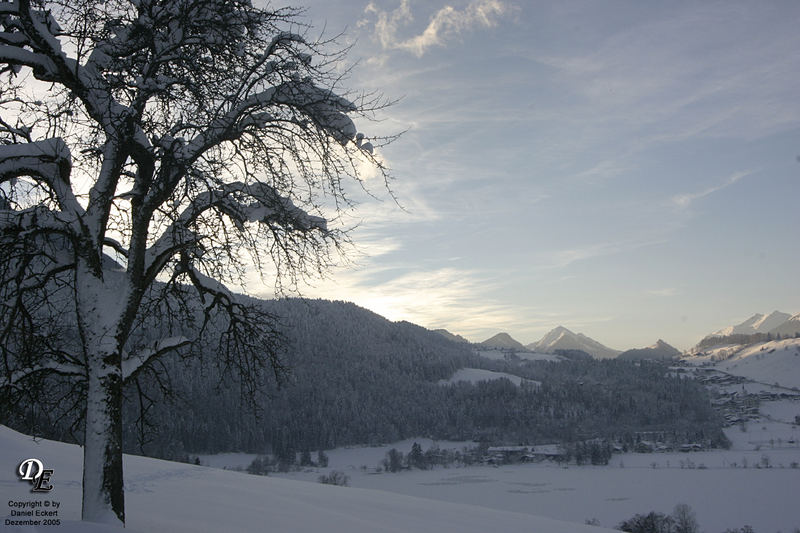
174	497
475	375
754	483
726	488
169	497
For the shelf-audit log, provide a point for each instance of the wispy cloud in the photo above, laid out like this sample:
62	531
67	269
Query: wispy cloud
443	26
695	72
684	201
563	257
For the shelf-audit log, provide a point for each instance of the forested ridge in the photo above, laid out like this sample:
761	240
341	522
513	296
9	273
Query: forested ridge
357	378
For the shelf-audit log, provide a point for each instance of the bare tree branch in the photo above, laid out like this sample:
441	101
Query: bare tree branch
175	148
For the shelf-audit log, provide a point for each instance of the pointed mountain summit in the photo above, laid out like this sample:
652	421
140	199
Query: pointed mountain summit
757	323
659	351
503	341
561	338
771	321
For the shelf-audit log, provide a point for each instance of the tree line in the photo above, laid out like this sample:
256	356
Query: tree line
357	378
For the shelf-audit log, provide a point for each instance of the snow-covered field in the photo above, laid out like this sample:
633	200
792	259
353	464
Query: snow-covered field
754	483
499	355
726	488
475	375
168	497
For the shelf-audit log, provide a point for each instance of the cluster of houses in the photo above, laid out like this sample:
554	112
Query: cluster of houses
503	455
737	405
497	455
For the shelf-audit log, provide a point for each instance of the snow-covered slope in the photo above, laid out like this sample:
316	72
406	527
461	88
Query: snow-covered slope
561	338
168	497
769	362
503	340
757	323
790	328
475	375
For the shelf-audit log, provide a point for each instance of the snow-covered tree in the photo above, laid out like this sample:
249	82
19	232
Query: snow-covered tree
151	152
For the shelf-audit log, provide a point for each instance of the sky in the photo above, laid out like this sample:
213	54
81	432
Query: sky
629	170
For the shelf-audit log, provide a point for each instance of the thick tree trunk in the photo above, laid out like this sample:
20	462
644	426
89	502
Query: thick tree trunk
99	304
103	496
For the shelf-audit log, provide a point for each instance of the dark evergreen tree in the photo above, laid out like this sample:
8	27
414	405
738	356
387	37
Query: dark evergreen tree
322	459
305	458
393	461
416	458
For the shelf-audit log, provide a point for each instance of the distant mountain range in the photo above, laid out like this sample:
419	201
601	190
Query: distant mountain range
659	351
776	323
558	339
757	323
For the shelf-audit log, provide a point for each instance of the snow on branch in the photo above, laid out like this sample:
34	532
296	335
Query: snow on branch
326	109
242	203
47	161
46	366
133	364
38	219
43	66
29	40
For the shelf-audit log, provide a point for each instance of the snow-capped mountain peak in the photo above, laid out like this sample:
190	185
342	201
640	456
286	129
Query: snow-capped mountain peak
758	323
561	338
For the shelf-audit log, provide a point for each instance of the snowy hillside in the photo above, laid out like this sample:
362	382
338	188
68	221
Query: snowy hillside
790	328
770	362
475	375
168	497
561	338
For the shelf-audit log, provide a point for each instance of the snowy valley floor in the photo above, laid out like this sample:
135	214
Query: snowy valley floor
175	498
715	484
755	483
